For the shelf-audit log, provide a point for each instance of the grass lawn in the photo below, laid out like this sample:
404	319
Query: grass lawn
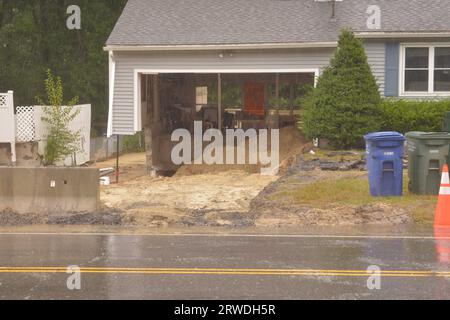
355	191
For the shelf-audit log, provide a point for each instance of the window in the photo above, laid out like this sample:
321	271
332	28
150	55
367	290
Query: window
426	70
442	69
201	96
416	69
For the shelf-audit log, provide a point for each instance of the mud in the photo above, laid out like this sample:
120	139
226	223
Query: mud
204	199
104	217
294	216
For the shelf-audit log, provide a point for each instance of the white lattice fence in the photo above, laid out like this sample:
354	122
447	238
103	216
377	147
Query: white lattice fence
2	100
25	124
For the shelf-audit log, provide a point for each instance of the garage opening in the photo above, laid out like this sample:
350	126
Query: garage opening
173	101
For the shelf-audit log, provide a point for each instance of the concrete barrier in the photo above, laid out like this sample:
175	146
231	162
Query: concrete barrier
49	190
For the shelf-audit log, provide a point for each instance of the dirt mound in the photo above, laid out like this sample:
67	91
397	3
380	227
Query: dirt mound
292	144
203	169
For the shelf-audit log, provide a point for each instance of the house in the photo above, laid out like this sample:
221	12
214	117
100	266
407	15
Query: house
245	63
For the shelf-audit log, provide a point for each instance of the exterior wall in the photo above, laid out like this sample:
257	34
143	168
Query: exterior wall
123	113
376	52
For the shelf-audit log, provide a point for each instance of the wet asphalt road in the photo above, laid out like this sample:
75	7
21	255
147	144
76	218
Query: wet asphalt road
222	267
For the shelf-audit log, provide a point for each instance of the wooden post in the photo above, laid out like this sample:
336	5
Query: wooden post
156	107
291	99
277	90
117	159
219	103
153	129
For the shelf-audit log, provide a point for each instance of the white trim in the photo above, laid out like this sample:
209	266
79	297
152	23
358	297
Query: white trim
137	102
294	45
376	35
206	71
124	133
431	64
430	94
136	86
112	83
13	138
330	44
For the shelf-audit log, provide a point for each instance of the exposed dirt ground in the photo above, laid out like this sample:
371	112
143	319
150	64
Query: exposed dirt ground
132	166
196	195
204	199
305	194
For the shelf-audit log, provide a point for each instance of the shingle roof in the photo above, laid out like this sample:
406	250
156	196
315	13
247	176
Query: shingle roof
213	22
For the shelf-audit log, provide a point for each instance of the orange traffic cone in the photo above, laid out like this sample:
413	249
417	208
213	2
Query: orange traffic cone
442	218
442	240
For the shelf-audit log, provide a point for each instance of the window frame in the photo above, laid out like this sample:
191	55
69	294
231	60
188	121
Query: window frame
431	70
204	95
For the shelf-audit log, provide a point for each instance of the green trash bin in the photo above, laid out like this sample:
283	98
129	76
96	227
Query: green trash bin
427	153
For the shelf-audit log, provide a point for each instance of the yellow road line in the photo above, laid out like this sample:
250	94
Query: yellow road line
225	235
217	270
249	272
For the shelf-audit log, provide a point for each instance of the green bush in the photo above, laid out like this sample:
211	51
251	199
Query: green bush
345	104
134	143
61	141
413	115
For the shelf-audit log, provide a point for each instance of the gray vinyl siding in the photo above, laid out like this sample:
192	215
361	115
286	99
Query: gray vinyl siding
376	55
127	62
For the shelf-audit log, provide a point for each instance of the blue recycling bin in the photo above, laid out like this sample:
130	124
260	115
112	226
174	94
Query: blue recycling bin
385	152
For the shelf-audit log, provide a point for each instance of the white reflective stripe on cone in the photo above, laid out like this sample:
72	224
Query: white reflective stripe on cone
445	178
445	191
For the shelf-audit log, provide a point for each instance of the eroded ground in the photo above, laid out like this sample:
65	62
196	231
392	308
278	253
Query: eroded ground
197	195
206	199
313	189
308	196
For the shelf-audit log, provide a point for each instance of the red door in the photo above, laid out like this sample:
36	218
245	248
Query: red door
254	98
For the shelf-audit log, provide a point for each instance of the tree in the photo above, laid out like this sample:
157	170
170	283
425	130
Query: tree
61	141
34	38
345	104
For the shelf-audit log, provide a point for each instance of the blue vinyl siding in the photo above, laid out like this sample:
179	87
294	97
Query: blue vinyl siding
392	69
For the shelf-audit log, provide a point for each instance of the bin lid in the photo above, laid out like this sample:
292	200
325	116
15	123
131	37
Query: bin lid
428	135
387	135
